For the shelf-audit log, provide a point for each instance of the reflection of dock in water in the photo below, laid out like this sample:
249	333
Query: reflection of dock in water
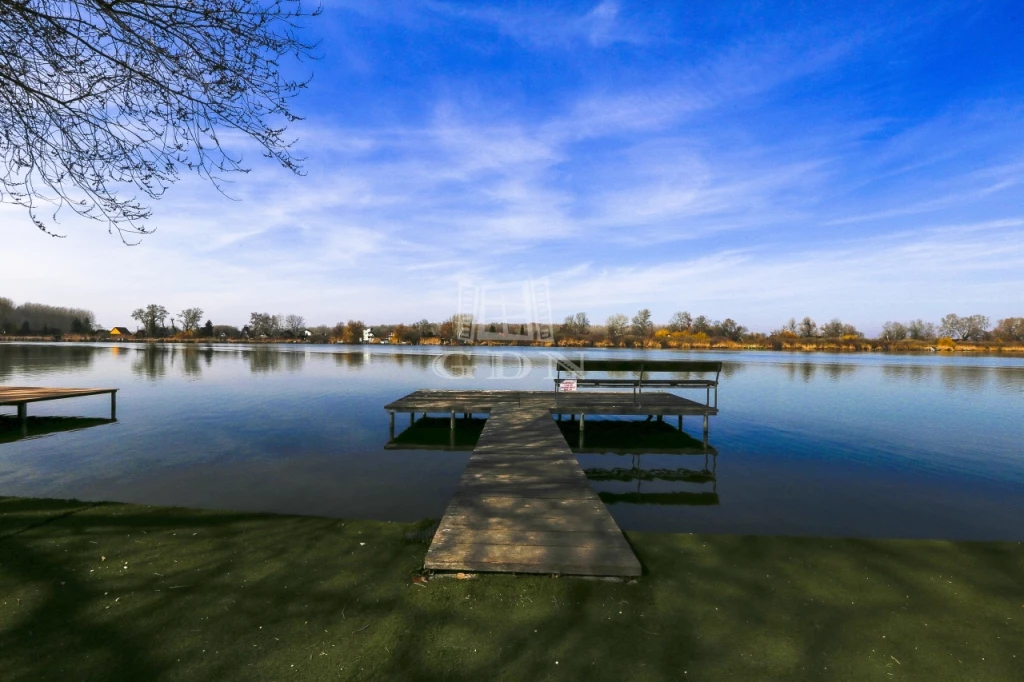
644	438
524	504
12	429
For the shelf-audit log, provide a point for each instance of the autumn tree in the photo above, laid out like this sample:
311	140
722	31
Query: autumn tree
106	101
353	331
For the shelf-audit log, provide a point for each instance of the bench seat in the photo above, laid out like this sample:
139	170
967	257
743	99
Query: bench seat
579	367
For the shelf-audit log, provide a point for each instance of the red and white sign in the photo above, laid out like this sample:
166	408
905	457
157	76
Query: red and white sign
567	385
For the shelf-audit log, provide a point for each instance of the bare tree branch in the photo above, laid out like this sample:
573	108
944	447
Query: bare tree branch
104	102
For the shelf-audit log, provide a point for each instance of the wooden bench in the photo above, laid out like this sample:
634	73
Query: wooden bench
579	368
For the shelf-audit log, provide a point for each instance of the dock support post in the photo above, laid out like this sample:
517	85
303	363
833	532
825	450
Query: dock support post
113	405
705	427
680	422
660	417
452	421
391	425
23	418
583	423
412	418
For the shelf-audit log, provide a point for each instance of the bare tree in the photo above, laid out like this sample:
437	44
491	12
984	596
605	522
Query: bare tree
616	325
970	328
701	325
151	317
893	331
294	323
101	100
576	326
642	324
920	330
680	322
807	328
833	329
190	319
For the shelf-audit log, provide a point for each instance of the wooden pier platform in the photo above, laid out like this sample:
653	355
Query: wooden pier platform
524	505
21	396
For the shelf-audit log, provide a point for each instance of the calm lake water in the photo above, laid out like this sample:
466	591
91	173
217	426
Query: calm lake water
873	445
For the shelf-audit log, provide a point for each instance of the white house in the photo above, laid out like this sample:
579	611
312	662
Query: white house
367	335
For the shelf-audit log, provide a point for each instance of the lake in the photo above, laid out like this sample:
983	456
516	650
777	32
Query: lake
869	445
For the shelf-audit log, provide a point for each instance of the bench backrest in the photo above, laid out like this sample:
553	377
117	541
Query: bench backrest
579	365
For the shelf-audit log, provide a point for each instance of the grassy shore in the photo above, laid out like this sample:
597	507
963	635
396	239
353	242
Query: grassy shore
111	591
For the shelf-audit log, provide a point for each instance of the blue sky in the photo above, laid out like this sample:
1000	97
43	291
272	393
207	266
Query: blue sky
758	161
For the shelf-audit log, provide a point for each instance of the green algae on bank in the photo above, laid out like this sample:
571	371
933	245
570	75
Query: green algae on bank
114	591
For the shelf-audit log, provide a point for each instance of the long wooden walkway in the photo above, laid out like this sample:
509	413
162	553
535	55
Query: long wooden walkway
524	505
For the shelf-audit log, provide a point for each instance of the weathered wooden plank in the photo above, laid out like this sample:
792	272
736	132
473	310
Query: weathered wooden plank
539	490
525	505
600	560
493	536
556	523
590	402
13	395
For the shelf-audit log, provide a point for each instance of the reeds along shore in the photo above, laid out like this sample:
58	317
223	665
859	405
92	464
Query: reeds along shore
770	343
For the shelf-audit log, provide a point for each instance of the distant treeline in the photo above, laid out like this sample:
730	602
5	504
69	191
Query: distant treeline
682	330
38	319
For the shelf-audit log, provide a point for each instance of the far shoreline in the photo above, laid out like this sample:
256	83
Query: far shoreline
808	346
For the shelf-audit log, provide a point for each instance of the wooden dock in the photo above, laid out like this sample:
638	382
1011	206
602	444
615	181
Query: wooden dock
21	396
523	504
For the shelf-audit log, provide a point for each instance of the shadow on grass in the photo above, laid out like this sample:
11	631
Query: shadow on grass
129	592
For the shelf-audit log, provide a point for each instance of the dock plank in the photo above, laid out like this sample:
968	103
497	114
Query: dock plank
523	503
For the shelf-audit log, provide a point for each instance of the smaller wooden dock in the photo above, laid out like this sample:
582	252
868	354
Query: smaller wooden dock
21	396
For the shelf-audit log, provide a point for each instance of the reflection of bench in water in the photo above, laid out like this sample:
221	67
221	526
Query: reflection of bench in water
21	396
670	498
